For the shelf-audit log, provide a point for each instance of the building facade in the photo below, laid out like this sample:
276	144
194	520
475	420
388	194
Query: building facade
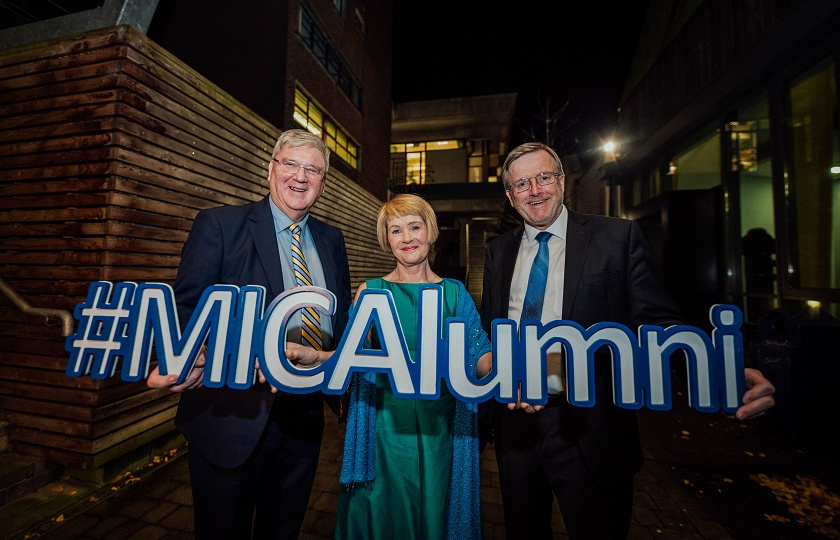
111	143
450	152
324	65
729	153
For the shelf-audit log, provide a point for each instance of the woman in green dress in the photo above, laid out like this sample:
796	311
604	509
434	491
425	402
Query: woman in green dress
410	466
425	467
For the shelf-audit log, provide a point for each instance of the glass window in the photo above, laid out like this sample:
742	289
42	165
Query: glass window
410	164
312	118
814	179
415	168
751	159
645	187
317	42
698	167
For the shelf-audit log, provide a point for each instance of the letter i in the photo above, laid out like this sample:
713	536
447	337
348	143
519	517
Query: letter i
729	343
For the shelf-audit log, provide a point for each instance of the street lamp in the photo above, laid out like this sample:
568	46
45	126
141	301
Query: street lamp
612	176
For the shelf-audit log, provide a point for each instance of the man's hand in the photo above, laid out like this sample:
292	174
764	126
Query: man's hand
521	405
261	377
305	357
758	397
301	356
156	380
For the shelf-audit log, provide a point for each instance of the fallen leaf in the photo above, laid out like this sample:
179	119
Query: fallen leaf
813	504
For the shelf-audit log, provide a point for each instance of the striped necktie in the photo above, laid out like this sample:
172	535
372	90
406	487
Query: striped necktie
310	332
535	294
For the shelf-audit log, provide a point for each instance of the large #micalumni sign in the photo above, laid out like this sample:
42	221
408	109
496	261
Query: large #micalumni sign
122	323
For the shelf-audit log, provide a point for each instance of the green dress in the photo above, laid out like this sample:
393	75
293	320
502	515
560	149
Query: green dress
407	500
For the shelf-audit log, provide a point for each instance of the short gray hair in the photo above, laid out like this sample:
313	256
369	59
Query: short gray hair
294	138
527	148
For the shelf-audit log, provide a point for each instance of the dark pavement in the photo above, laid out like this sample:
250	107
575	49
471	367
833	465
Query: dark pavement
706	476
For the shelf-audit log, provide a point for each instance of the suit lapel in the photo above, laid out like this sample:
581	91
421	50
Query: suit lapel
577	243
261	225
322	245
509	255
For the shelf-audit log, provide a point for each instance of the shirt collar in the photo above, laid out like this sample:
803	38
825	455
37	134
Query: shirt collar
558	228
281	220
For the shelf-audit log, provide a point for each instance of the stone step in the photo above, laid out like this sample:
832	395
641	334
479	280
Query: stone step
21	474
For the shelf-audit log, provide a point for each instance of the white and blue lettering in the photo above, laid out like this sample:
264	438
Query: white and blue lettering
122	323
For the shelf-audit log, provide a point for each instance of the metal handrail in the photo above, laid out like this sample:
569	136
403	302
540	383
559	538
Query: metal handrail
66	317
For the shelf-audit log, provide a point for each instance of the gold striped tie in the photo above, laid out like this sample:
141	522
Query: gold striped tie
311	329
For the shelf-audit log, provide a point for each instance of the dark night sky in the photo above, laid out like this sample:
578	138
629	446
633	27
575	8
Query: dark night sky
555	50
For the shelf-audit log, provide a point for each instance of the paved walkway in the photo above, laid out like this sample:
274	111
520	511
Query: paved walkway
705	477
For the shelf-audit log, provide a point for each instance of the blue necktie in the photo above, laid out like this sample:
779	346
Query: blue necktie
310	332
535	294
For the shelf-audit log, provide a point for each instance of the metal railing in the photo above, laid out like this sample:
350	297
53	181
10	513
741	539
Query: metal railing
64	316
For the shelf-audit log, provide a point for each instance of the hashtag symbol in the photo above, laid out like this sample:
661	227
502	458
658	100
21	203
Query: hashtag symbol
103	330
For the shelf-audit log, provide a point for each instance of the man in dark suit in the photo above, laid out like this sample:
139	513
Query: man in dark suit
253	453
598	270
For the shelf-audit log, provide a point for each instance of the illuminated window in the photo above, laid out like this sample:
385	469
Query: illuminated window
459	161
313	119
699	166
316	40
409	163
750	162
813	198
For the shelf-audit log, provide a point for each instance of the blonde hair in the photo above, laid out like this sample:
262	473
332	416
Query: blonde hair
403	205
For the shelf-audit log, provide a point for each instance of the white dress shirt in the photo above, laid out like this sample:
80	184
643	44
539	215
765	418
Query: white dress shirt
553	302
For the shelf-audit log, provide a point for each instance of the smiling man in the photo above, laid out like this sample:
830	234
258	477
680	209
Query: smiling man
588	269
253	453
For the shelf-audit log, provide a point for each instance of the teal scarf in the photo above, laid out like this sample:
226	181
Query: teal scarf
359	467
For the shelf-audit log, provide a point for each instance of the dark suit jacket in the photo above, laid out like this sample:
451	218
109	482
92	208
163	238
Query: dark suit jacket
609	278
236	245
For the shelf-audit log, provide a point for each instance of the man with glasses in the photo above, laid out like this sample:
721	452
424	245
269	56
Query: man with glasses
586	269
253	453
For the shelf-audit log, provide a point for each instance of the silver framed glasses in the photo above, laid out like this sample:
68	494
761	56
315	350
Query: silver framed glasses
543	179
292	167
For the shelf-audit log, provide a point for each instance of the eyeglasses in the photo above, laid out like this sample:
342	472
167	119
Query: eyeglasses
292	167
543	179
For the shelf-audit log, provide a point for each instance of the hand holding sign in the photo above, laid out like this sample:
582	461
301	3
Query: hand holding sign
125	326
758	397
301	356
156	380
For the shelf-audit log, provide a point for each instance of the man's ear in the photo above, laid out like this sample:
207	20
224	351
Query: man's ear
509	198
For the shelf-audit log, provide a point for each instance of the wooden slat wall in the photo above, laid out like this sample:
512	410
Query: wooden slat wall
108	148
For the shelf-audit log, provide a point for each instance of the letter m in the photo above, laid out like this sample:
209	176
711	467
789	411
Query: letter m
156	324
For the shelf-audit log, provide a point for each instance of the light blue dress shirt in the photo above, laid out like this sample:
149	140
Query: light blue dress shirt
282	222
